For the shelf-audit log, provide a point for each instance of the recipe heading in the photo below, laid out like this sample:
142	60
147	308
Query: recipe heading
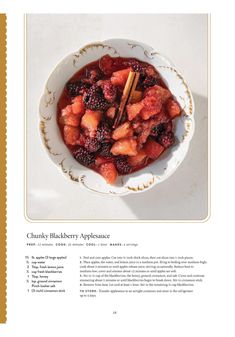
82	236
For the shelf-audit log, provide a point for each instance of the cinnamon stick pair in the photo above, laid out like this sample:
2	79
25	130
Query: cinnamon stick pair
128	91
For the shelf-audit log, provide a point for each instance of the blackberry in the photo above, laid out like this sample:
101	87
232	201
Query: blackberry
83	156
122	165
92	144
103	133
105	150
137	66
149	81
166	139
93	75
94	99
109	91
76	88
161	128
158	129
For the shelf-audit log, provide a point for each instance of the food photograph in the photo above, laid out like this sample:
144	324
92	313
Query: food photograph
121	130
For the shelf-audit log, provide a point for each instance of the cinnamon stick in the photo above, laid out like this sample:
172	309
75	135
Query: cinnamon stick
129	87
136	79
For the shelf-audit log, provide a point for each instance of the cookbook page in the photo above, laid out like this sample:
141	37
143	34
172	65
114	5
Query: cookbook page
114	222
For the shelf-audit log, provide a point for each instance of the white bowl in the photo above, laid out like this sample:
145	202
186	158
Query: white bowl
139	181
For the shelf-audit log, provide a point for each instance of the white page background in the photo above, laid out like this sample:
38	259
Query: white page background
206	313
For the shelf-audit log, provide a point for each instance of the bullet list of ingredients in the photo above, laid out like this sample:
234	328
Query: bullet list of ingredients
45	273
